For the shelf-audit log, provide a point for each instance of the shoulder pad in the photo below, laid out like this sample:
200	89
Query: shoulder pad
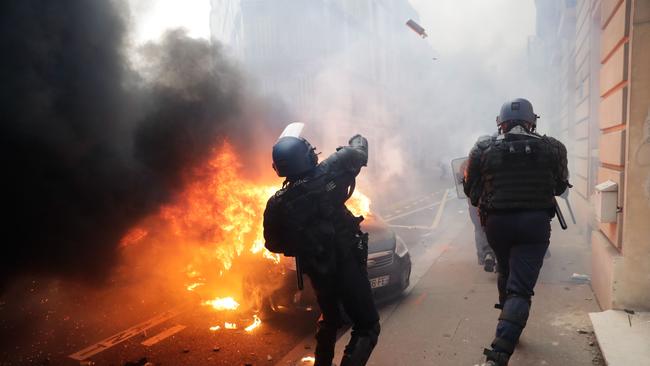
484	142
551	140
279	193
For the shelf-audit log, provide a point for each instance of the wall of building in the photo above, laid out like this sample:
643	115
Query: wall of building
634	280
603	99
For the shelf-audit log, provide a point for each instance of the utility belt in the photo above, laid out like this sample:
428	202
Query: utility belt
326	254
484	213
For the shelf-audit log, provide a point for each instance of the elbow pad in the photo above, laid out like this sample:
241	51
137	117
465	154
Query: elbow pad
360	144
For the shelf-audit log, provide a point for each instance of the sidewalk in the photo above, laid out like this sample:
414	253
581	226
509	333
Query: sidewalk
448	316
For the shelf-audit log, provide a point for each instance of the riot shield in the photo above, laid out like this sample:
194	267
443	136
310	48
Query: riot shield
457	173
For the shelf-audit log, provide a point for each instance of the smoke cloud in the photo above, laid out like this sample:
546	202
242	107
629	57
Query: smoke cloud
89	145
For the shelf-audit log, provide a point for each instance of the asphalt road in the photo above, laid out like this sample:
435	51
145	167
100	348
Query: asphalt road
43	325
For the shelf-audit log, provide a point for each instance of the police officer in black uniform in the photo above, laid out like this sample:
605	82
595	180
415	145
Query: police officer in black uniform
513	178
308	219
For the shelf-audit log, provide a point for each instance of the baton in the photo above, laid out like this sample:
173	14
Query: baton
565	195
568	205
560	217
301	283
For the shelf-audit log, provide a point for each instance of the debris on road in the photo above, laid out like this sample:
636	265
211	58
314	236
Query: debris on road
141	362
577	277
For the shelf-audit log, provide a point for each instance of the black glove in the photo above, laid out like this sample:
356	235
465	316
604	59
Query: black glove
358	141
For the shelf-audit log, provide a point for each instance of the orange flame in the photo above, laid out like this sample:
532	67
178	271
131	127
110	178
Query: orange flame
358	204
226	303
222	209
256	323
217	221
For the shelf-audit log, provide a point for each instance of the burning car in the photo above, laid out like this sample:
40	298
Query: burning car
209	242
389	269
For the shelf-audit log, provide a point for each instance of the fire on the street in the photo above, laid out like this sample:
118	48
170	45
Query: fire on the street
256	323
217	221
226	303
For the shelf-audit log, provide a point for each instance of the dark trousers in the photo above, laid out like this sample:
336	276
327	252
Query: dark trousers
519	240
349	287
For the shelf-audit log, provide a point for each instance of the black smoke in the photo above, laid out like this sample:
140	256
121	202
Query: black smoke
88	145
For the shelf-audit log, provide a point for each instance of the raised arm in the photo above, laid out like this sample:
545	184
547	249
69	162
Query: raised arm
349	158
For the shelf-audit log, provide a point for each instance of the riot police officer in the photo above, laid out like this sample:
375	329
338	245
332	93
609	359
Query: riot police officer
308	219
513	177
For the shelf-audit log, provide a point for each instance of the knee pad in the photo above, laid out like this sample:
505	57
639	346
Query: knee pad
515	310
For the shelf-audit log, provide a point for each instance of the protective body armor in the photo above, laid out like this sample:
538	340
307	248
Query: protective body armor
308	217
517	171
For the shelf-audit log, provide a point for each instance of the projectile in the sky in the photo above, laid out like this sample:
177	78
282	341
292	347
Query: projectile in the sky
416	28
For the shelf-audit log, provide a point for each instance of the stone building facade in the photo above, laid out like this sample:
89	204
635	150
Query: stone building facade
598	72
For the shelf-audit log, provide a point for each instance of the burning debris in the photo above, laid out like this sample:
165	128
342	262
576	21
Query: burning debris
256	323
227	303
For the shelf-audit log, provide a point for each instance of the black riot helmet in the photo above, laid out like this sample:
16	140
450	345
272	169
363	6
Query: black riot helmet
518	110
293	156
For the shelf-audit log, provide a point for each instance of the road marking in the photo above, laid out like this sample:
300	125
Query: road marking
401	203
397	216
419	227
436	220
125	334
162	335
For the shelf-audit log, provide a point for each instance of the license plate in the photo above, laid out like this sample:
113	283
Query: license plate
379	281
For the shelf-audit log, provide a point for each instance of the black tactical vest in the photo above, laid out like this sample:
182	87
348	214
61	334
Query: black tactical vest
311	217
517	173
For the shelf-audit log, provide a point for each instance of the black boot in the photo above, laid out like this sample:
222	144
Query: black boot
494	358
489	262
358	351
